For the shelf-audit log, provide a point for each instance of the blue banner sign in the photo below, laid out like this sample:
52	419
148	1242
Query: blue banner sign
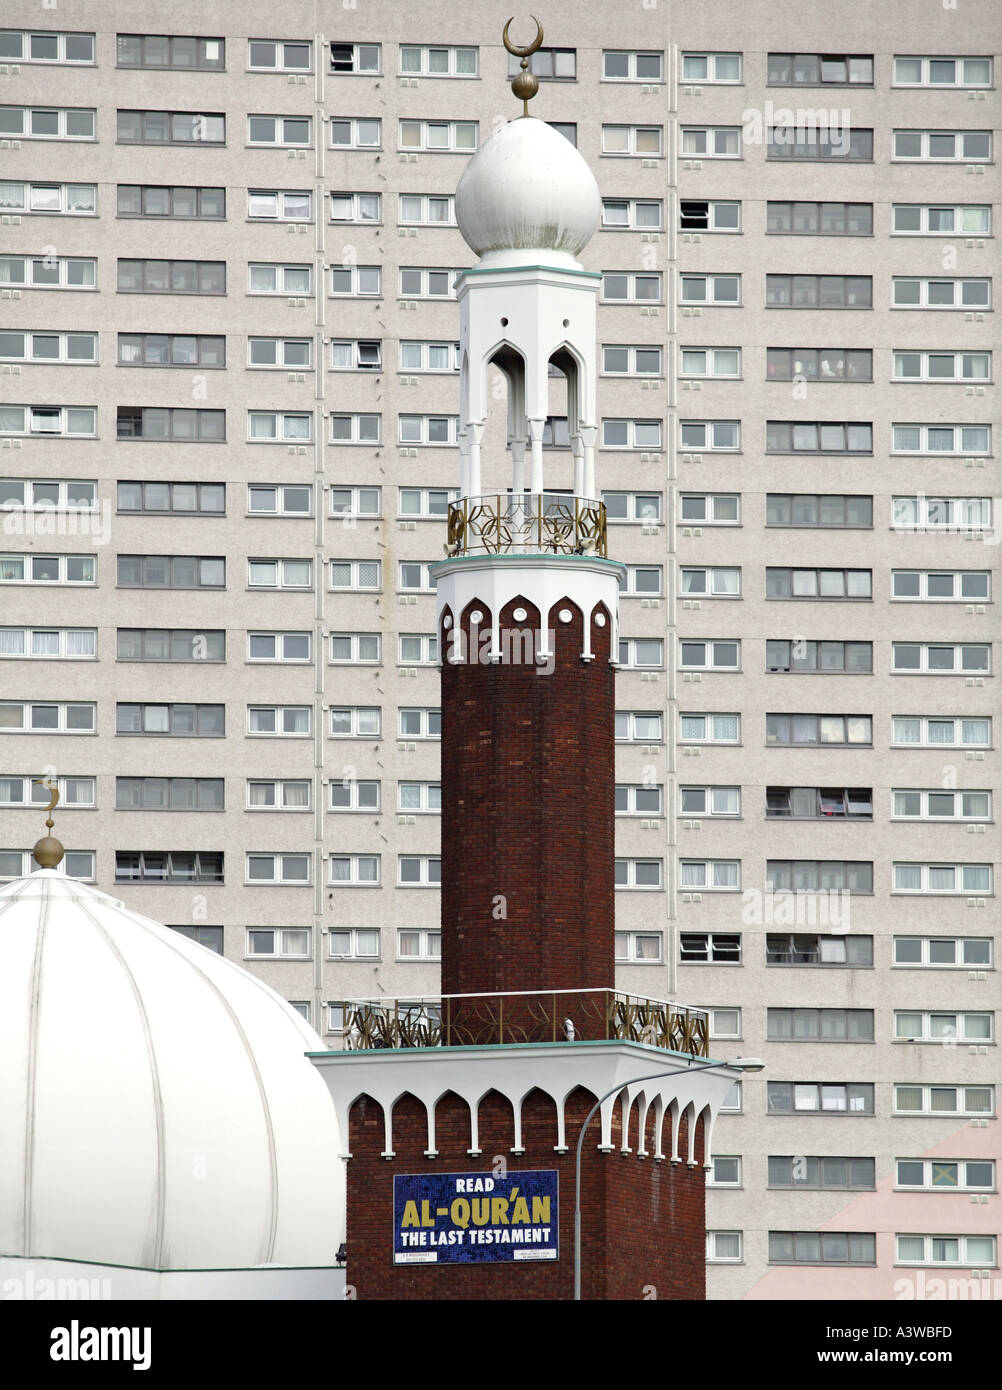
475	1218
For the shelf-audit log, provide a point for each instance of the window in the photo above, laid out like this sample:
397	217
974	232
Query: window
819	292
278	868
631	434
942	878
279	427
947	513
641	653
48	569
280	574
710	508
710	142
945	1250
171	721
427	429
944	952
818	219
710	362
49	643
709	801
159	423
548	62
639	726
171	644
419	871
917	1026
18	863
643	580
268	278
942	366
171	572
156	200
180	499
819	1025
169	794
46	46
822	510
425	502
913	292
168	866
725	1171
825	1098
709	215
280	205
709	948
713	875
47	122
724	1247
822	1248
852	658
815	949
935	586
624	360
631	287
414	576
819	803
280	943
279	721
419	945
420	723
350	794
928	658
644	507
819	875
284	354
49	272
418	282
641	874
209	937
636	65
638	947
724	1023
356	574
818	583
820	141
356	648
356	57
938	1174
639	799
818	364
709	434
279	646
356	721
429	357
68	421
709	656
944	1100
438	136
942	72
354	870
172	350
819	70
711	67
171	277
356	280
818	729
938	219
430	60
50	493
170	128
356	501
279	55
419	798
731	1103
74	792
711	581
353	943
709	728
640	141
710	289
356	133
942	145
69	199
356	207
632	214
286	131
280	499
162	51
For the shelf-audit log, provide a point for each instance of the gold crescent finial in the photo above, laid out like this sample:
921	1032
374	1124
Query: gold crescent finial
524	84
53	799
48	851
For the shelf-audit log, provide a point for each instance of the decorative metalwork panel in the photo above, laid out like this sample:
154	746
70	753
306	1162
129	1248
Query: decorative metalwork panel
521	523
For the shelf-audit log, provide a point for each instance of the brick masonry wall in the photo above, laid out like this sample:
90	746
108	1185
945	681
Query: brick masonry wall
528	787
642	1221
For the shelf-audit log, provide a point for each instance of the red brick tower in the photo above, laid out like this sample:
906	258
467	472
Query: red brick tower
461	1114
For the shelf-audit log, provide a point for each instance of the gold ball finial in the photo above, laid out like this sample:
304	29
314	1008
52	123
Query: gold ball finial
525	84
48	851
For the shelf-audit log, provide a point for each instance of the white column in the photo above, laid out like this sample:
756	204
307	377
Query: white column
589	435
476	432
577	451
464	463
517	469
536	454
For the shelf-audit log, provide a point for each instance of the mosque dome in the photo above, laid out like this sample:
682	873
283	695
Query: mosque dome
156	1106
527	189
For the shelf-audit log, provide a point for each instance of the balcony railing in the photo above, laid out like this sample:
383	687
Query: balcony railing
533	522
551	1016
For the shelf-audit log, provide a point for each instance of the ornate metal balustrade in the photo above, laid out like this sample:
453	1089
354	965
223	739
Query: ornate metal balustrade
487	1020
543	522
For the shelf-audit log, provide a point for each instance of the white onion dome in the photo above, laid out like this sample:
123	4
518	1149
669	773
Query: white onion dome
156	1106
527	189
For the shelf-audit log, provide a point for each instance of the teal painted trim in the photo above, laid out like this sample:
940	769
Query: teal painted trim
556	269
530	555
369	1053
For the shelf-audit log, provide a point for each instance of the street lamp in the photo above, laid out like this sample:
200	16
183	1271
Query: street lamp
739	1064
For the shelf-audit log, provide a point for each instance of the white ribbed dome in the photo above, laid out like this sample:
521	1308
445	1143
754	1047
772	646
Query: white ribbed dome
156	1108
527	188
